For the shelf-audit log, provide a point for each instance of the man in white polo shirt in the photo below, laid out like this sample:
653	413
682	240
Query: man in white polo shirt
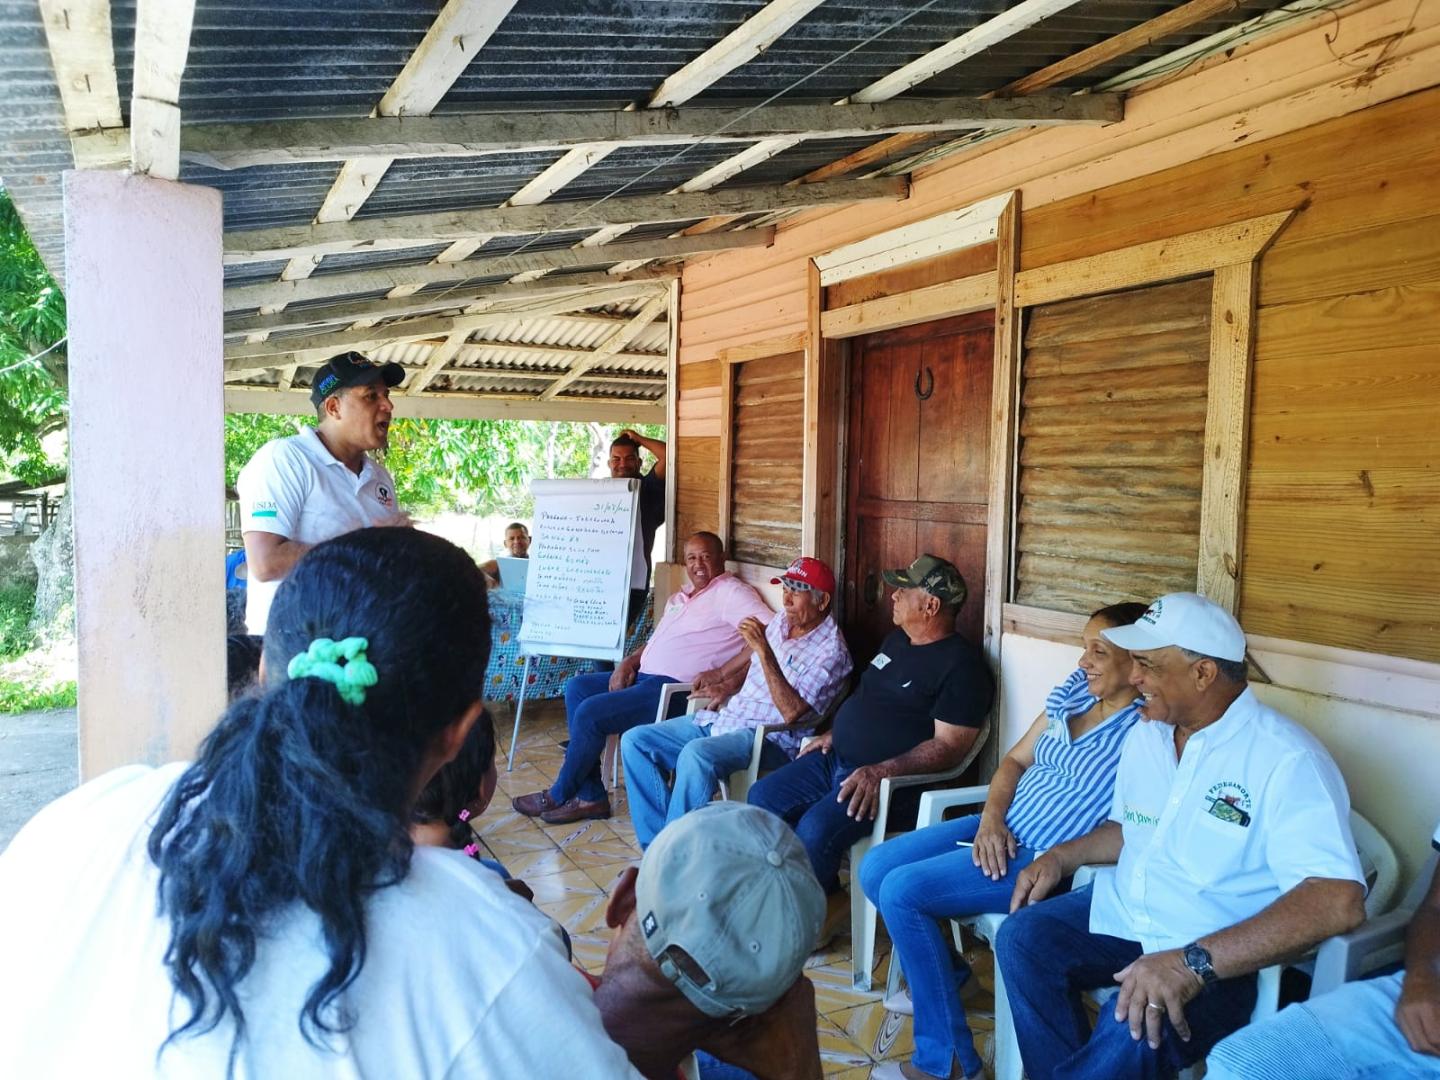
1231	849
314	486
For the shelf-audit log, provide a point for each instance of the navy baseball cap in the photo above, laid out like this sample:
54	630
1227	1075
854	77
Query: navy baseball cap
351	369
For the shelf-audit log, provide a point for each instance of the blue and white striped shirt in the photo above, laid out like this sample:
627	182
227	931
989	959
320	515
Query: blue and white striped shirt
1068	790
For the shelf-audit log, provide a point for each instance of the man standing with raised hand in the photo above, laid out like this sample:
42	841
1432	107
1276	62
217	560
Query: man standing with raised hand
625	465
301	490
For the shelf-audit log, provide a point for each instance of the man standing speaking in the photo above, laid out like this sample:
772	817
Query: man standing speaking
298	491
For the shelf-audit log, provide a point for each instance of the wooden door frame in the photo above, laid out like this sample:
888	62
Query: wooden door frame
827	360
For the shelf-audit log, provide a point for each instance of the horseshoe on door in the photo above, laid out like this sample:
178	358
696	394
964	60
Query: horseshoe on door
924	395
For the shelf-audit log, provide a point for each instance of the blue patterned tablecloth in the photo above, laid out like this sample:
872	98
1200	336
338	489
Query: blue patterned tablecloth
548	674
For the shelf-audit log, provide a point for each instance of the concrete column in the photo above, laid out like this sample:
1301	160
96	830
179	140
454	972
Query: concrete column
144	296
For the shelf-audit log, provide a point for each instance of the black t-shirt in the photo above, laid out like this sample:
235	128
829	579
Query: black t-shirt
905	690
652	513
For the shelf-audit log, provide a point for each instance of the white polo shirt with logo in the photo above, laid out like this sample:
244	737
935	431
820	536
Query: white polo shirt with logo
1255	806
297	489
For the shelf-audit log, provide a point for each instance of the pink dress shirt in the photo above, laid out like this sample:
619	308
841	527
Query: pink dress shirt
698	630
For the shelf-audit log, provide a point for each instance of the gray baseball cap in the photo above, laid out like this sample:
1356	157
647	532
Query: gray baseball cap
730	887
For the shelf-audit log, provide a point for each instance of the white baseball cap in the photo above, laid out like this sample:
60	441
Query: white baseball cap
1186	620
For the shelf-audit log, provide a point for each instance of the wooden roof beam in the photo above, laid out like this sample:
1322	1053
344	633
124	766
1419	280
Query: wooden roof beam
991	32
459	31
413	278
611	345
82	52
162	42
462	406
574	292
280	142
261	245
744	43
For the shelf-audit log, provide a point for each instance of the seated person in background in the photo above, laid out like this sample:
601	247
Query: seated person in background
1230	849
711	934
517	544
1382	1027
697	641
918	709
263	912
1055	784
799	664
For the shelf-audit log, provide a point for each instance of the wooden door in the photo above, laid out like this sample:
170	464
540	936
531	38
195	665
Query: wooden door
917	465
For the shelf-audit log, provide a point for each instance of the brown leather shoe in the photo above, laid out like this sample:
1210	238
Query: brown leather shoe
577	809
534	804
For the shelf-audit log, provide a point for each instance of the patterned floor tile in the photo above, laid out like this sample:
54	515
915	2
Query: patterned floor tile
881	1034
572	869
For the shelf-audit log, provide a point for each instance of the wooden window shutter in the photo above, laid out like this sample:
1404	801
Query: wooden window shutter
764	444
1111	454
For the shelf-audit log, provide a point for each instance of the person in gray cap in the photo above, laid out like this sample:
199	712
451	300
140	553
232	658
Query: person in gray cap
298	491
1228	848
918	709
711	933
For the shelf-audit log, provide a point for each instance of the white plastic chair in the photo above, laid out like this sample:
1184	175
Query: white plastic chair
737	785
610	759
1379	942
862	912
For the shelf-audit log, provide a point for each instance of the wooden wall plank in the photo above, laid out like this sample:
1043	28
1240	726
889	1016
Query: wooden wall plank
1335	119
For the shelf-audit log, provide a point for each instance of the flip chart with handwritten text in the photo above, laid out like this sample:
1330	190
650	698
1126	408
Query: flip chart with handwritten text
579	581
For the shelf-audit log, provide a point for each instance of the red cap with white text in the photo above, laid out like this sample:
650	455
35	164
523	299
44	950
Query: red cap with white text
808	572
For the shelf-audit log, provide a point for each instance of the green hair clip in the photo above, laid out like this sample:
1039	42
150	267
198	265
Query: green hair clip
322	661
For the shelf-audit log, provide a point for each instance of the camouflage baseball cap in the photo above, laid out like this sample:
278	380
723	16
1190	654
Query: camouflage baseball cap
936	576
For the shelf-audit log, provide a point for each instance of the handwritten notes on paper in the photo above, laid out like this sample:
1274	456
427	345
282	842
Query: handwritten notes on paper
579	582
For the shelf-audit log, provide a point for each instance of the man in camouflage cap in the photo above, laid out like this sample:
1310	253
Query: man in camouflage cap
918	709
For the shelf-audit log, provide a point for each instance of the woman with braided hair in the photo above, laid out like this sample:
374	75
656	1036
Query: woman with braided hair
263	912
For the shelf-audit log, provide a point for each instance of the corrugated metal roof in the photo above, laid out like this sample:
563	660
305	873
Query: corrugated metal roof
34	150
264	59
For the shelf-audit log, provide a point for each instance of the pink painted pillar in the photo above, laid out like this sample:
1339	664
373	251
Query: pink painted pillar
144	295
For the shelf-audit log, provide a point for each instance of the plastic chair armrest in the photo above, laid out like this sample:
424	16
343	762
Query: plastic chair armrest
1346	957
933	804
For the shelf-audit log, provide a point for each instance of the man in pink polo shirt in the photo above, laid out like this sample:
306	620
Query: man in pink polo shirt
698	641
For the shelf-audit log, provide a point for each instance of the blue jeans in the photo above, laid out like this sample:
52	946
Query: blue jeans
1348	1034
699	760
916	880
712	1068
805	793
1048	956
593	714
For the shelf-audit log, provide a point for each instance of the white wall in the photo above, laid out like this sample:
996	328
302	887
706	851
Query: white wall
1390	756
144	295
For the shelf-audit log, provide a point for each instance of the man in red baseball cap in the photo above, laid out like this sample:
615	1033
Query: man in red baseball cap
798	665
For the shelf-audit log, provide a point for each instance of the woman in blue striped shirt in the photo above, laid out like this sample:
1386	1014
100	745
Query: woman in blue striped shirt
1055	784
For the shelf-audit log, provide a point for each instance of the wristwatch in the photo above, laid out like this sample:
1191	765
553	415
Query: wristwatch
1197	959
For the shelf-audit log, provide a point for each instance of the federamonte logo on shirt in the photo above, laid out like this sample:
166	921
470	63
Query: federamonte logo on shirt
383	494
1230	802
264	508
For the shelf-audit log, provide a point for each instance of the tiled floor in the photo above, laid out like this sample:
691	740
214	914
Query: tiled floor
571	868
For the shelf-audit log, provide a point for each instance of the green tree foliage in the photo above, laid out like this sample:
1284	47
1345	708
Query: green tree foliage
483	466
32	319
